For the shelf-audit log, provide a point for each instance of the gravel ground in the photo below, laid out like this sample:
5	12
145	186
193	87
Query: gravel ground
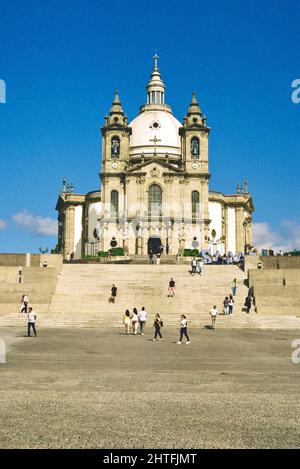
89	388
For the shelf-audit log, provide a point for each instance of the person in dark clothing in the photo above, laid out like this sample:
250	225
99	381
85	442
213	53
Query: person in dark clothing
113	296
171	289
158	324
248	304
183	330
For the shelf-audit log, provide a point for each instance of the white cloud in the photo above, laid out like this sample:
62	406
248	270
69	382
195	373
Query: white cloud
36	224
286	237
3	225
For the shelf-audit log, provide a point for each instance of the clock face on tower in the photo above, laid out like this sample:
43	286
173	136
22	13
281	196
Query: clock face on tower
194	166
114	165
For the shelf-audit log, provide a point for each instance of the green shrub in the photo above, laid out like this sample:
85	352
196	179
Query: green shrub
114	252
102	254
191	252
117	252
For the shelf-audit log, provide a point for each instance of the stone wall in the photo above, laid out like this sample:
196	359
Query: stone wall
280	262
276	291
30	260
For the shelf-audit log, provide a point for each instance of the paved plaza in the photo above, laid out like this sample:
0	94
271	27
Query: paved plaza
93	388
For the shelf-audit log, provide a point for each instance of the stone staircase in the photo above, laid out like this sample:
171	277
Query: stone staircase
38	282
82	294
82	291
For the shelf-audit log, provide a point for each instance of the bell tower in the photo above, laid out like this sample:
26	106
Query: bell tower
194	135
194	140
115	141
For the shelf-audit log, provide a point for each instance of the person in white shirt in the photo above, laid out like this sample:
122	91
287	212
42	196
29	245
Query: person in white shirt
24	303
32	317
134	321
194	265
142	320
213	314
200	266
183	330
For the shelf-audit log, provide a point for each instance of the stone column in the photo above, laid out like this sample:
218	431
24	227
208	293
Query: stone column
226	229
239	230
69	230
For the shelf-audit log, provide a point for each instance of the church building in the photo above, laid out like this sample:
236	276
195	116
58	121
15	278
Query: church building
154	188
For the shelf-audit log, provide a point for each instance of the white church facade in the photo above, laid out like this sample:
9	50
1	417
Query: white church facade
154	188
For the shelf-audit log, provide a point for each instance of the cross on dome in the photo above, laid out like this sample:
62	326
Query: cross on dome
155	140
155	58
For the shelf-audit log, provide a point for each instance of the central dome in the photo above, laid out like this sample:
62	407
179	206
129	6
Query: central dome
155	132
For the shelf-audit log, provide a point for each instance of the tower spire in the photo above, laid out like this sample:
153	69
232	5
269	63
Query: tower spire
116	105
194	107
155	58
155	87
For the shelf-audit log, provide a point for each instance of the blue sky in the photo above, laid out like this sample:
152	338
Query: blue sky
61	61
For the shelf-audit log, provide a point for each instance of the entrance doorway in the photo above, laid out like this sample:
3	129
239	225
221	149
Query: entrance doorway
154	244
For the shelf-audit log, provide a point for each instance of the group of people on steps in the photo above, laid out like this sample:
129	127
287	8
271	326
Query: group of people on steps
136	321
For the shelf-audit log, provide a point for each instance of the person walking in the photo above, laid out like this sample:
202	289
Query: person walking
126	321
142	320
183	330
24	303
230	304
113	295
200	266
248	304
234	287
171	288
158	255
213	314
194	265
134	321
109	254
32	317
151	256
158	324
226	305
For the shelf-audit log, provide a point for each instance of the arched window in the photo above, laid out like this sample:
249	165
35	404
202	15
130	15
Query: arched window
195	147
115	147
154	199
195	204
114	203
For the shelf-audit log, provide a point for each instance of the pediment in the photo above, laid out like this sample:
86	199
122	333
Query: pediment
150	165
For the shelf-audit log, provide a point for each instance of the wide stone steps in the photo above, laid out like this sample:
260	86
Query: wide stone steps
82	291
81	296
232	322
